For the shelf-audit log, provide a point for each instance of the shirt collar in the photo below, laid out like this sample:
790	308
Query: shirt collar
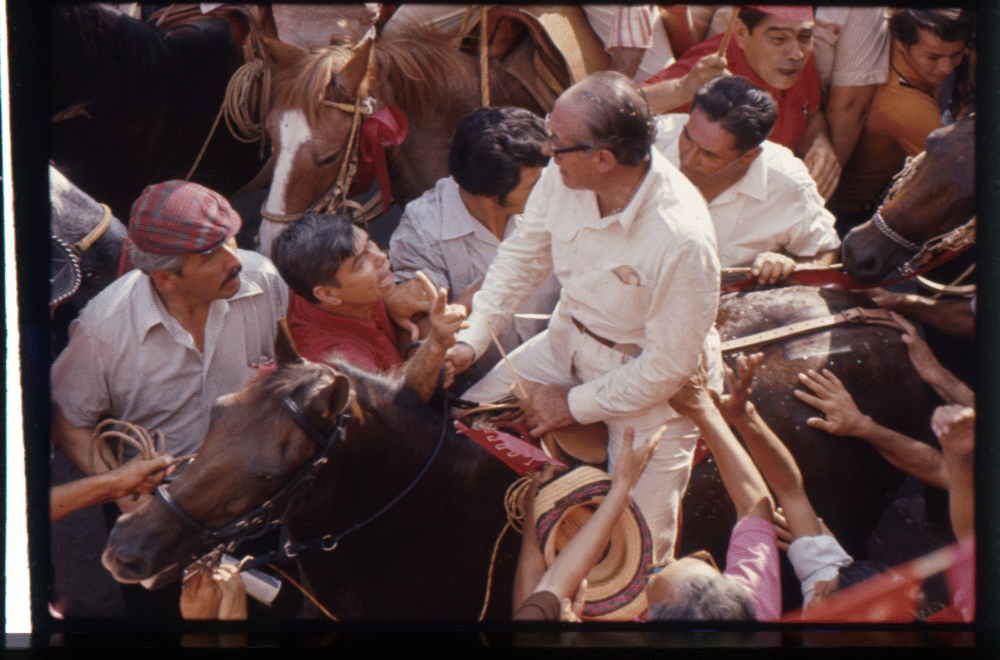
456	221
150	310
627	215
753	183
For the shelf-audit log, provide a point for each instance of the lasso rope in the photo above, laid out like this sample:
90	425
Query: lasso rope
303	590
149	446
513	502
238	104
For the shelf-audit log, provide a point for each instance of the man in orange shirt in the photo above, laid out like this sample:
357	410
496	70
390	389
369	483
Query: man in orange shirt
927	45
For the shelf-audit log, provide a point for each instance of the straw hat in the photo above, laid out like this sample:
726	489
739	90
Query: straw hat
616	586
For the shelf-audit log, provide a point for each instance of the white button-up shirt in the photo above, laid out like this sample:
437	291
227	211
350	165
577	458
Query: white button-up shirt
129	358
648	275
775	206
438	235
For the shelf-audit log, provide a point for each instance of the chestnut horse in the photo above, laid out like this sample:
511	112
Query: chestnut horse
420	71
933	196
847	481
426	556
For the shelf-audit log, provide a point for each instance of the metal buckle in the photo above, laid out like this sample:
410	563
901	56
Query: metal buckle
326	539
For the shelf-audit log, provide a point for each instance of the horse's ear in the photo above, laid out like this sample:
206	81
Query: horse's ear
348	79
282	54
336	396
284	347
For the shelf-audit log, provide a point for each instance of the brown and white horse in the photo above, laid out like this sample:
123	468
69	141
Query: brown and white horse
421	72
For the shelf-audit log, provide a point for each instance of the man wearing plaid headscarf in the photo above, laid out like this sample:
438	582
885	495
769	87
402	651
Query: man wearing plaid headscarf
160	344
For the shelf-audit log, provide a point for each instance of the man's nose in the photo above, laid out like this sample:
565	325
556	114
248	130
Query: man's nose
233	257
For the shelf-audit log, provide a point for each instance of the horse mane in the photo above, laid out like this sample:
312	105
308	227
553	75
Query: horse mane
410	65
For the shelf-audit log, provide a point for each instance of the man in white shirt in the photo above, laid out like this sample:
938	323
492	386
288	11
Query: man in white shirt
632	244
451	233
766	209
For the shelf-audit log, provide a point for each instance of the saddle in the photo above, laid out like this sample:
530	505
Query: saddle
546	47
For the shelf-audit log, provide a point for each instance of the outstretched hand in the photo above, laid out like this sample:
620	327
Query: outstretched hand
736	402
407	301
446	319
631	459
832	398
920	353
693	399
955	427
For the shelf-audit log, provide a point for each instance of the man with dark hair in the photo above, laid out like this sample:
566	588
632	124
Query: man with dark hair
772	47
163	342
765	207
631	242
927	45
340	280
452	231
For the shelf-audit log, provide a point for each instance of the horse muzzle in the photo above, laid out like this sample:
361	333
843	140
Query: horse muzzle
868	256
149	549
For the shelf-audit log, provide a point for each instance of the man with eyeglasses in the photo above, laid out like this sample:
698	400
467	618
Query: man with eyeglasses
632	244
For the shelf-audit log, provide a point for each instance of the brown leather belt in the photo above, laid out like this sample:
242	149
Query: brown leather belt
632	350
856	315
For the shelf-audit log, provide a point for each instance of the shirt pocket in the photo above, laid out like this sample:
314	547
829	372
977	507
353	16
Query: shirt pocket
621	293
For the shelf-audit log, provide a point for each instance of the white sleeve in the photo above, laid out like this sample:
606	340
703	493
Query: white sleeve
411	249
816	558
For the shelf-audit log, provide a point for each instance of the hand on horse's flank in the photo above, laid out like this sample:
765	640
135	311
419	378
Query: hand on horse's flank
736	402
920	353
446	319
408	299
833	399
547	409
771	267
955	427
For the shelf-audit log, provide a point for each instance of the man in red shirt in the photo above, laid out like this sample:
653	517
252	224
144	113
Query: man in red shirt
772	47
339	281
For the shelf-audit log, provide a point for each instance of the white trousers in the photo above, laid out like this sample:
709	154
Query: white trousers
563	355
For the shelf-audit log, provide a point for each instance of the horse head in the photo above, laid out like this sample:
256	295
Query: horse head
309	123
263	449
933	196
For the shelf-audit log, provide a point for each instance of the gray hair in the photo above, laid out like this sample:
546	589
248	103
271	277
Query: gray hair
621	120
707	599
147	262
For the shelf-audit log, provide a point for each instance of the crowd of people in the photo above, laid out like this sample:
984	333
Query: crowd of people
588	247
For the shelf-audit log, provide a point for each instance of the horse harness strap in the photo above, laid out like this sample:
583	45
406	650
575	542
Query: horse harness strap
854	315
892	235
955	241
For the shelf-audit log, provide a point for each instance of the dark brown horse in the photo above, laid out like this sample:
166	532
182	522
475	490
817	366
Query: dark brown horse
933	196
421	72
427	556
132	105
848	482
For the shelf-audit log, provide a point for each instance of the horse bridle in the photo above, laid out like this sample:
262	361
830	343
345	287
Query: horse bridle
959	238
263	518
67	273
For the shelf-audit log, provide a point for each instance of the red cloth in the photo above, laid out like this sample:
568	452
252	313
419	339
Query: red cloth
793	104
522	457
367	343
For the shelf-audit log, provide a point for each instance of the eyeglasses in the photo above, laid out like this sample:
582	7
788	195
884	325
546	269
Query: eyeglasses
701	555
554	143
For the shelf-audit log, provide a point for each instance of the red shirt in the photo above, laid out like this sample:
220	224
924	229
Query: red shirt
794	104
368	343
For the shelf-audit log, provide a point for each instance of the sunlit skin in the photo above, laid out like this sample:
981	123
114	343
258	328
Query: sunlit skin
931	58
708	156
211	276
563	125
777	49
364	279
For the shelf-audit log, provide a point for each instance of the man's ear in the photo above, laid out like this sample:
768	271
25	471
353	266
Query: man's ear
327	293
606	160
740	32
164	281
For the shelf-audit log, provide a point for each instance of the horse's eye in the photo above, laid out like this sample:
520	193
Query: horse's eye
329	160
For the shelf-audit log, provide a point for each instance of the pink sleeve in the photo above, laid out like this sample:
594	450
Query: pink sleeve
752	561
633	27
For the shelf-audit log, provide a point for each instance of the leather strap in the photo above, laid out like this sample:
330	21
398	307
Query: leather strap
632	350
853	315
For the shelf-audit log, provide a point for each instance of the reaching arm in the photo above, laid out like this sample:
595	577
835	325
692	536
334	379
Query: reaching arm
952	317
423	370
580	554
845	112
681	29
767	450
951	389
818	154
665	95
740	476
136	475
955	427
843	418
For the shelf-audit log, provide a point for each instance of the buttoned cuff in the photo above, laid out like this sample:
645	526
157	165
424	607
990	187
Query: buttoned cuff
816	558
